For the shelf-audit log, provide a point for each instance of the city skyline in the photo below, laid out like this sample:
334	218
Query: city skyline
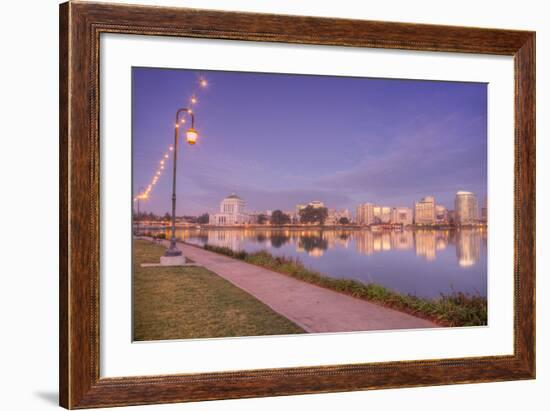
426	212
291	139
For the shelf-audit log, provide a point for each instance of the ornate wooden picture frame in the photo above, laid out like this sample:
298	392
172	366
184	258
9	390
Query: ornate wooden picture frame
81	25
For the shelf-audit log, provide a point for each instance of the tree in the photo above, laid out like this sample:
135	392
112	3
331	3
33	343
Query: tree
278	240
203	219
279	218
313	243
261	238
190	219
262	219
343	220
311	214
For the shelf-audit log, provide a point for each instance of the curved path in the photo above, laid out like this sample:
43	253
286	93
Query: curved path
313	308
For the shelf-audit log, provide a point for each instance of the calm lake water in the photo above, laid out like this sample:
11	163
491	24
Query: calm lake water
420	262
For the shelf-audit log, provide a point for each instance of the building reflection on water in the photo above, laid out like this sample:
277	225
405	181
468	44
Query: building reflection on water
468	246
425	243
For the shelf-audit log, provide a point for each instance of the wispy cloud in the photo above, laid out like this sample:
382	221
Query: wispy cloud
282	140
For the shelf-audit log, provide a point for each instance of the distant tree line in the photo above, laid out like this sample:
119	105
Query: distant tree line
312	214
203	219
309	214
150	216
279	218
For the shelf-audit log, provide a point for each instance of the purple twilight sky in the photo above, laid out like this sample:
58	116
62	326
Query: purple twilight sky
278	140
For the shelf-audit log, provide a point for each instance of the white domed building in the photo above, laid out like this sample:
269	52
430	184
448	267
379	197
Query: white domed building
231	212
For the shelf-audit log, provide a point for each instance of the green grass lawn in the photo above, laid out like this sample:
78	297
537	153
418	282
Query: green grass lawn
193	302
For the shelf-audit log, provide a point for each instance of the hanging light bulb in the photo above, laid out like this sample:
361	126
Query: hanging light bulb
192	136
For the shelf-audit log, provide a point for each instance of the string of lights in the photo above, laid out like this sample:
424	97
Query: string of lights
202	83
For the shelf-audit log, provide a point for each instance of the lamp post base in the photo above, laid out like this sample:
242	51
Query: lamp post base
176	260
173	251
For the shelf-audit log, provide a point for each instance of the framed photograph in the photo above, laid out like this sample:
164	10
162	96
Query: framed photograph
259	205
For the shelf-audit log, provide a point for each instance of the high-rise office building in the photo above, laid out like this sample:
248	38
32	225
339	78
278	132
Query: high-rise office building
424	211
465	208
364	214
382	214
402	215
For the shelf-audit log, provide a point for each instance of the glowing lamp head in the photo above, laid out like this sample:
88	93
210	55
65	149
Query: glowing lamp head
192	136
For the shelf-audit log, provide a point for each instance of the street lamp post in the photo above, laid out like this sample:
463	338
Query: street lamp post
191	135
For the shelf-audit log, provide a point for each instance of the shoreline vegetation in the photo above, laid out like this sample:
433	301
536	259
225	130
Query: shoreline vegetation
453	310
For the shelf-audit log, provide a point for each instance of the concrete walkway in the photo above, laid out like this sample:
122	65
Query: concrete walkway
313	308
